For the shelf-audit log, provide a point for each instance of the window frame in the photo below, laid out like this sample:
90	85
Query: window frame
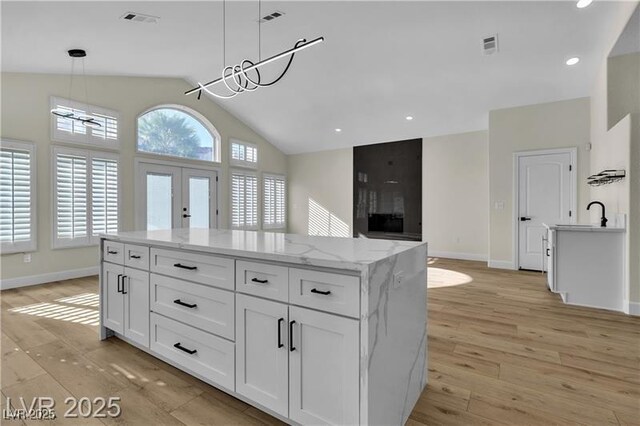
32	244
277	226
89	155
258	204
243	163
217	138
88	139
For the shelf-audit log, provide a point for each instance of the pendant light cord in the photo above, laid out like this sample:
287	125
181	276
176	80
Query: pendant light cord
259	30
224	33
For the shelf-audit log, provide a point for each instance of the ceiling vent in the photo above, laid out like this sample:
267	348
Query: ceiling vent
490	45
271	17
139	17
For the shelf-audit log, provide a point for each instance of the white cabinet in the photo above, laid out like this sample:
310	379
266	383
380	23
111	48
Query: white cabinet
262	354
125	300
323	368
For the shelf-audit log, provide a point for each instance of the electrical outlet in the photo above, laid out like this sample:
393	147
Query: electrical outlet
397	279
27	258
499	205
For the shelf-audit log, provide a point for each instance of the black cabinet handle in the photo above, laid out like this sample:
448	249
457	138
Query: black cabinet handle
186	215
181	303
280	321
182	348
324	293
134	256
180	265
291	347
112	251
524	219
255	280
123	277
548	255
119	283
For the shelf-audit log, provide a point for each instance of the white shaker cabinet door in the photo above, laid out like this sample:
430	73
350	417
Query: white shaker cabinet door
112	297
323	368
136	305
262	352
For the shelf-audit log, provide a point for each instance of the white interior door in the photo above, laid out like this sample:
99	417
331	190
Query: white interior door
175	197
544	196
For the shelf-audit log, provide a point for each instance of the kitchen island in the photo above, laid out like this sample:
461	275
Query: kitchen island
312	330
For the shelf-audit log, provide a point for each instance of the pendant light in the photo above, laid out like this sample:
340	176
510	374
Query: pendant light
86	120
245	76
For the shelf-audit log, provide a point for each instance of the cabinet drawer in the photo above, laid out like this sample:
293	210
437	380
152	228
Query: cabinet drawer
325	291
205	354
113	252
264	280
205	269
198	305
136	256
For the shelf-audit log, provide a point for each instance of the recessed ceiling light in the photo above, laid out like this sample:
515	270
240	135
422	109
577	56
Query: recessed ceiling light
583	3
409	117
573	61
338	130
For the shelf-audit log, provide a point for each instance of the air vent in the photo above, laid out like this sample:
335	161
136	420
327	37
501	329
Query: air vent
271	17
139	17
490	45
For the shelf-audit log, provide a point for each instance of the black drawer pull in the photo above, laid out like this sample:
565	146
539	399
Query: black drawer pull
280	321
112	251
188	305
123	277
180	265
182	348
291	347
134	256
548	255
255	280
119	283
324	293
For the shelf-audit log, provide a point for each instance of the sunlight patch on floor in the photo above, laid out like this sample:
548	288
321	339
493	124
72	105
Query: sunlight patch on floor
438	278
61	312
86	299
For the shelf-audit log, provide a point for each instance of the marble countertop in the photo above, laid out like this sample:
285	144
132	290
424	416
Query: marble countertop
584	228
330	252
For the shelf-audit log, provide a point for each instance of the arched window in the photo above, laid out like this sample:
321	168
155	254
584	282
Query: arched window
178	131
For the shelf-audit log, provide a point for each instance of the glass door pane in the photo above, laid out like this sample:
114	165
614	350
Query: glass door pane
159	209
199	202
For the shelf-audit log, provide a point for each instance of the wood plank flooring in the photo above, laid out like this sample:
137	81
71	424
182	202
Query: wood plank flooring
502	350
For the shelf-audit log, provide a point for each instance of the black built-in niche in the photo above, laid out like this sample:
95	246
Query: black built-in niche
387	190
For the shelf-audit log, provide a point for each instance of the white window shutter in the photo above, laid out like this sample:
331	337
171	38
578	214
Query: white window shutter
244	201
244	154
104	195
71	196
16	198
274	202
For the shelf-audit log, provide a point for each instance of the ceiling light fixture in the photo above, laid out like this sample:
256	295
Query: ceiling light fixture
573	61
338	130
583	3
237	78
70	114
409	117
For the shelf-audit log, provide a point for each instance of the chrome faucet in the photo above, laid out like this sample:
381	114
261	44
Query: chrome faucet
603	219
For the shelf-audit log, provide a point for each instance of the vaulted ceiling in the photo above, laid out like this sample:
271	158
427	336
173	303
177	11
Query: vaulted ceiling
381	61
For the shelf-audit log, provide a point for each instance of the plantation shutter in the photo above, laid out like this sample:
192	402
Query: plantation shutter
244	201
244	154
15	197
274	202
104	195
71	196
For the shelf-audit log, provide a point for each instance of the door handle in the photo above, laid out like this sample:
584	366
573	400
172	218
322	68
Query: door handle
188	305
180	265
280	321
255	280
186	215
524	219
291	347
548	255
123	277
182	348
119	283
324	293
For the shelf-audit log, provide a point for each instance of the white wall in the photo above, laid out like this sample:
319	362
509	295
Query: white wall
26	116
455	213
321	183
561	124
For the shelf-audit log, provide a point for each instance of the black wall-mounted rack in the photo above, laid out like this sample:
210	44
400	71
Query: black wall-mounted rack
605	177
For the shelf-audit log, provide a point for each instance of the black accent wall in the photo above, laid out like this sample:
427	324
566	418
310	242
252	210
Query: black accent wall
387	190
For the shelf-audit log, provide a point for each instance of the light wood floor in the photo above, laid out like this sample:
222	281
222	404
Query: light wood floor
502	350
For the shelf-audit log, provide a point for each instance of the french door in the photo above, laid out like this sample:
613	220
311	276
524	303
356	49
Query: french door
175	197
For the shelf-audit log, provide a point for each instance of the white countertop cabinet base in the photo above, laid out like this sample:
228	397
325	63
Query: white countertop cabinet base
335	337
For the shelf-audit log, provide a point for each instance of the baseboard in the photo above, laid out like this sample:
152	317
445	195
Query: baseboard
634	308
458	255
6	284
501	264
